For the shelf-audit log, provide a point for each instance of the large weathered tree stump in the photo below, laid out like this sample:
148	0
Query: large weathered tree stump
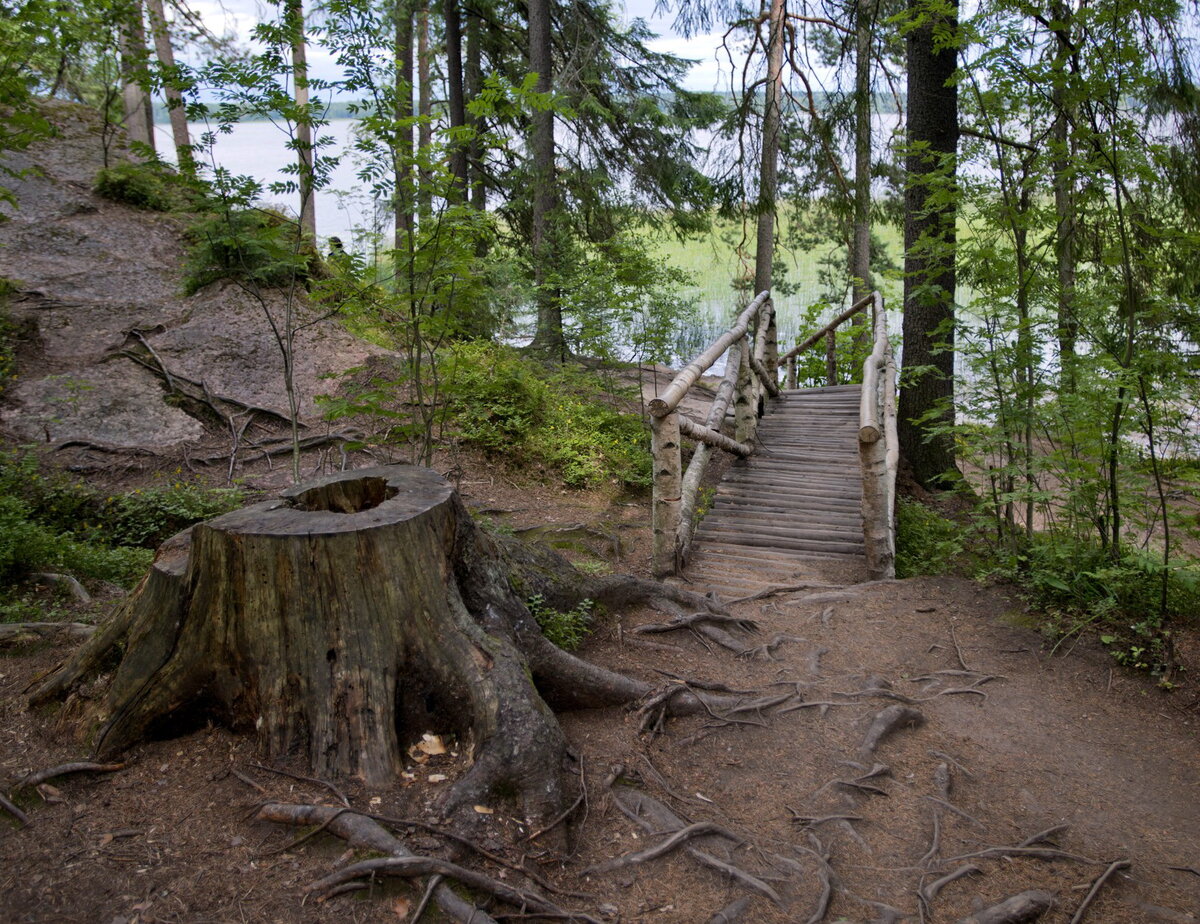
345	618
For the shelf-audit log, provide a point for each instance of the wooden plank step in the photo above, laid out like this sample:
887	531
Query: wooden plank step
764	556
835	549
724	525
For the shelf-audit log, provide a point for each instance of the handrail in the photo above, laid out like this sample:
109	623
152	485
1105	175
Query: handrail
879	448
675	493
749	370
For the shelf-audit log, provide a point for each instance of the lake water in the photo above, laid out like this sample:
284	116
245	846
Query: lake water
346	210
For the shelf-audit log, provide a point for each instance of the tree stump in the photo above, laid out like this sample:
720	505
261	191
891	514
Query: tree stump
345	618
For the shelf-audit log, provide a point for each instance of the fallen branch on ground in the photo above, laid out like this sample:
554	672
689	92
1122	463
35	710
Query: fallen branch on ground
13	810
14	633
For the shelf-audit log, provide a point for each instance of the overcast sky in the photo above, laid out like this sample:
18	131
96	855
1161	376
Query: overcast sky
240	16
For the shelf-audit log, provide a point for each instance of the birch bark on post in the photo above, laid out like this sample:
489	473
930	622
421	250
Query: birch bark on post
745	404
668	475
304	136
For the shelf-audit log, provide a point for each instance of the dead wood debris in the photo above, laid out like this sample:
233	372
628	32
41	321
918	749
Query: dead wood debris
1095	889
1027	906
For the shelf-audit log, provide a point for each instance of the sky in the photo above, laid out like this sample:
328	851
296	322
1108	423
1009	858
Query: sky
240	16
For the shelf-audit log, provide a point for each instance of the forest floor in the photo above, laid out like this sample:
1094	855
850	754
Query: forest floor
1033	740
1013	739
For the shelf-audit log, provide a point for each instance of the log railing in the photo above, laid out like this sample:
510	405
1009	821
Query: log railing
749	376
752	351
879	447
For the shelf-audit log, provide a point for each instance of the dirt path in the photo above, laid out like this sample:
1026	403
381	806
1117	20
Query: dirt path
1043	742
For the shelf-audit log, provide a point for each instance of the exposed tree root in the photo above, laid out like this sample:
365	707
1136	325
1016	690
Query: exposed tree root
814	820
692	620
361	831
766	652
16	633
678	838
65	581
1113	867
1027	906
731	913
12	809
825	874
77	766
413	866
886	722
929	892
653	816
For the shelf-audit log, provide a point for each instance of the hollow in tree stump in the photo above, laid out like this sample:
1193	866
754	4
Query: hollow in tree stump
342	620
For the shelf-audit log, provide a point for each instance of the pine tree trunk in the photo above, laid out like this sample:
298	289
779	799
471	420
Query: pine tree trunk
456	102
175	107
403	156
548	338
929	251
860	256
764	252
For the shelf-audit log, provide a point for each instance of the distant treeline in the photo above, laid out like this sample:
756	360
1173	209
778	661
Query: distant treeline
885	104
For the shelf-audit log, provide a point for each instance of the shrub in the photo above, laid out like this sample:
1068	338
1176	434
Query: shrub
926	542
566	630
255	246
143	186
505	404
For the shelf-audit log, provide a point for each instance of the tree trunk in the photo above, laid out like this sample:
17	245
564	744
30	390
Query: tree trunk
860	256
346	618
139	111
548	338
171	88
474	86
456	102
764	252
929	249
304	136
425	111
1064	198
403	156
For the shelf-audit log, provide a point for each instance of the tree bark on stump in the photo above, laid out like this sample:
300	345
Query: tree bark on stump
345	618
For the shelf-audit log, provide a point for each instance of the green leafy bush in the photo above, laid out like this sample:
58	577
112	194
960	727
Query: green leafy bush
926	542
143	186
28	546
51	522
256	246
567	629
505	404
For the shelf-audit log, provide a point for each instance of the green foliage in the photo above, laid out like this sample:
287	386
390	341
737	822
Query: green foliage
27	546
1075	584
926	541
50	522
149	186
567	629
9	336
508	405
256	247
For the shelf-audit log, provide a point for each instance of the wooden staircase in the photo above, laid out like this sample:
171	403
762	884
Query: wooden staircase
794	509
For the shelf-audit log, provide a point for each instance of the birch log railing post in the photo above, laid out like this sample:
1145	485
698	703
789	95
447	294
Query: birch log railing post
878	449
673	495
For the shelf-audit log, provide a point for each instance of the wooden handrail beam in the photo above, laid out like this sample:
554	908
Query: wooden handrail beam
828	328
702	434
673	394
